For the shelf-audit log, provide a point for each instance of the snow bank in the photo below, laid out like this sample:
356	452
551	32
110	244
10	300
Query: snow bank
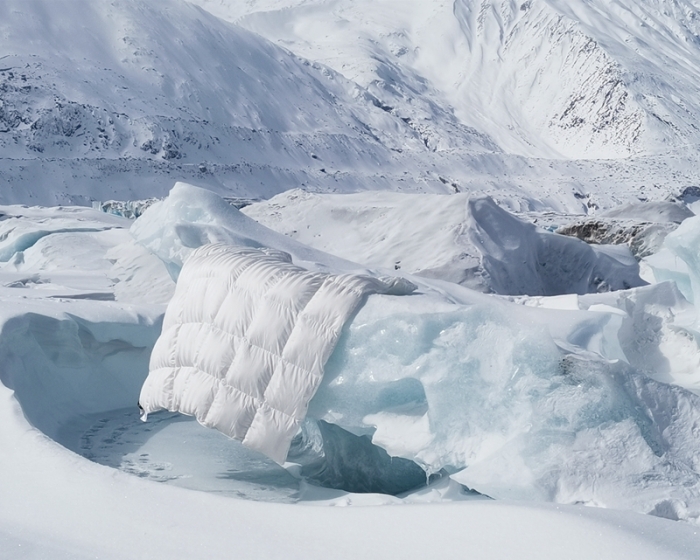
191	217
471	241
67	359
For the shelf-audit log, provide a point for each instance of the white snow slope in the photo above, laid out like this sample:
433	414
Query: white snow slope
475	242
103	100
546	78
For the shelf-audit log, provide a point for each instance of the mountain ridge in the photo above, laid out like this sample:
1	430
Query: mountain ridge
120	100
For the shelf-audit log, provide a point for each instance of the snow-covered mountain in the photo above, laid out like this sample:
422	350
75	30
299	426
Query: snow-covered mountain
544	78
118	100
145	87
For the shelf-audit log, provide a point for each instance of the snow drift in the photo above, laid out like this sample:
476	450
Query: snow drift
458	238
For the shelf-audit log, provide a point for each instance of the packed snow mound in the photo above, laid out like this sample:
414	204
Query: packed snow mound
545	78
470	241
65	360
245	340
161	92
191	217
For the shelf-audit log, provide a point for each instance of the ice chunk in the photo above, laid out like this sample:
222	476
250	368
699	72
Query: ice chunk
332	457
679	259
657	334
684	243
191	217
666	266
519	259
487	394
605	437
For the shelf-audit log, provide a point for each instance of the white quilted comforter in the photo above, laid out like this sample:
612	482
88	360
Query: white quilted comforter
245	340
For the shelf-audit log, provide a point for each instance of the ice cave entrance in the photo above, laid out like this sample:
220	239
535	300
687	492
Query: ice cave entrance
78	381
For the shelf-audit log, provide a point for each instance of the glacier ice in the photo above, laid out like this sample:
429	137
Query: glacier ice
327	455
21	227
574	398
679	259
493	399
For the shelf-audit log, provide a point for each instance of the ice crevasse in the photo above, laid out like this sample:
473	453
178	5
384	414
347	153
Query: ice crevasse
535	399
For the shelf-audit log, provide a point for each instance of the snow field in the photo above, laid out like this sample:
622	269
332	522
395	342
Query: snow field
577	399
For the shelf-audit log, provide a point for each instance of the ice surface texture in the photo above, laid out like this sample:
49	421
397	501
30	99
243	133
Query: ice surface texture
679	259
64	361
474	387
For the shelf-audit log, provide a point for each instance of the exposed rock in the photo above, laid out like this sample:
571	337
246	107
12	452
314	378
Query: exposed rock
643	238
